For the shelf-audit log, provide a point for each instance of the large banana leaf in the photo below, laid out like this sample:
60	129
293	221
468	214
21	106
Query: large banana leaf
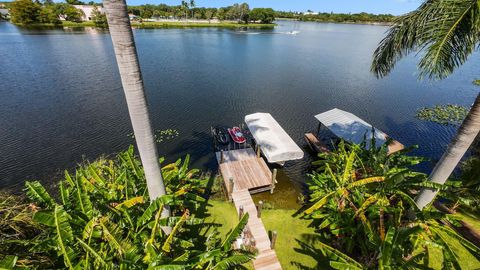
235	233
168	243
64	235
37	193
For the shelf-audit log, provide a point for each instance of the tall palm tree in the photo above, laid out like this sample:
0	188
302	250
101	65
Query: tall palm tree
132	82
447	32
192	6
185	9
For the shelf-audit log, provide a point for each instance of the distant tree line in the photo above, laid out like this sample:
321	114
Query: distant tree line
188	10
337	17
46	11
27	12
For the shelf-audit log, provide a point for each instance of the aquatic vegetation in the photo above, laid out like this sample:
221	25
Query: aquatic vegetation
102	218
362	205
161	135
444	114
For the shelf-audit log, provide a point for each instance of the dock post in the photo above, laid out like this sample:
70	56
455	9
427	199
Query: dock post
240	211
221	156
230	190
259	209
258	150
274	180
274	240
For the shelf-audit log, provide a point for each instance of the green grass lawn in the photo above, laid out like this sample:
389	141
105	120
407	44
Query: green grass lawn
291	230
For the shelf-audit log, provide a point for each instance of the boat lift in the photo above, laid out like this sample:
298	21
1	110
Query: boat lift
350	128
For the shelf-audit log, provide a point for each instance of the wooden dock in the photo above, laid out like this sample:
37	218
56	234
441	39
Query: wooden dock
246	170
244	173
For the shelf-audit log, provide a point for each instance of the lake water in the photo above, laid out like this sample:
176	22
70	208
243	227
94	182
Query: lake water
61	99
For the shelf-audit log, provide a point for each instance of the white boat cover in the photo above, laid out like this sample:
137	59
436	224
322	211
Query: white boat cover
274	142
350	127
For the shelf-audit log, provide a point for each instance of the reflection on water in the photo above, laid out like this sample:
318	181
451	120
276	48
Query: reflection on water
61	99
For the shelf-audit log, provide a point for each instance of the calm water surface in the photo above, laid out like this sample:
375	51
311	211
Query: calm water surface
61	99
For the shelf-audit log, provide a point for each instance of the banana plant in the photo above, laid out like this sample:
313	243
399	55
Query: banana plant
362	203
102	218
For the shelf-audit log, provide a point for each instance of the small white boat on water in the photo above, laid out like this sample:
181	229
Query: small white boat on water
293	33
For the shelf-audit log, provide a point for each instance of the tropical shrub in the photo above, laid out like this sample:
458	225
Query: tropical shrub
366	218
102	218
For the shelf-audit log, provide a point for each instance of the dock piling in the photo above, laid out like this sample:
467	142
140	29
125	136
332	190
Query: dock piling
240	211
274	240
230	190
274	177
259	209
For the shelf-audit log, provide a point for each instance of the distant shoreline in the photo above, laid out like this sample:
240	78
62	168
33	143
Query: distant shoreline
157	25
344	22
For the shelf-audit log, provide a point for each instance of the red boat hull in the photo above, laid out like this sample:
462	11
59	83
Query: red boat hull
237	135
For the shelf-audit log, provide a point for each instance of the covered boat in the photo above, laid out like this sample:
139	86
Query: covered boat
353	129
275	144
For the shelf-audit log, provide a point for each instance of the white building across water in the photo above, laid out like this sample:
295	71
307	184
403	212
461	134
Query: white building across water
88	10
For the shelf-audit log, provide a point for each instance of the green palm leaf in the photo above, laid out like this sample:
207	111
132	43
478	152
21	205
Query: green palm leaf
344	266
91	251
110	234
320	203
152	209
168	243
130	202
8	262
366	181
227	243
64	235
82	200
448	31
37	193
231	261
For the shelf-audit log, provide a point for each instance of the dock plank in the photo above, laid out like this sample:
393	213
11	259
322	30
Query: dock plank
247	170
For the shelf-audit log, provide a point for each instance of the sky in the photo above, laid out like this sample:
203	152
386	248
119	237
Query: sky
395	7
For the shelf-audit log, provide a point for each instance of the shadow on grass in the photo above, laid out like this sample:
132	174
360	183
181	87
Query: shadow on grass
309	248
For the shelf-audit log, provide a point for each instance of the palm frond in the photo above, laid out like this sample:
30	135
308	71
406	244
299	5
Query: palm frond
446	30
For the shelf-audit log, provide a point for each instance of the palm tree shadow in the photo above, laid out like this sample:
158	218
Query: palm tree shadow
308	248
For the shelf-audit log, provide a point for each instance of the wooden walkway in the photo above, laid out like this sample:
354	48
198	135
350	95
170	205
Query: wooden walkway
266	258
250	174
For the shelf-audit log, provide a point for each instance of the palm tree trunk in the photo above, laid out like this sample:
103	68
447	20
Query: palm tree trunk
465	136
132	82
